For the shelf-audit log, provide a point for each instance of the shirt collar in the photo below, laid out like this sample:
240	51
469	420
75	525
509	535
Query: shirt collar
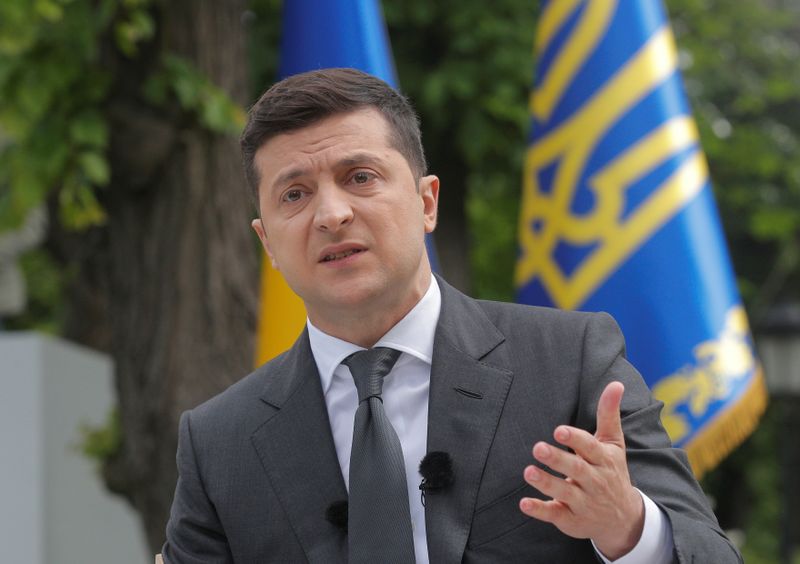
413	335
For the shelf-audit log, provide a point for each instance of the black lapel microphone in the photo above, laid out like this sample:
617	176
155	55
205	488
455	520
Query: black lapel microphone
436	469
336	514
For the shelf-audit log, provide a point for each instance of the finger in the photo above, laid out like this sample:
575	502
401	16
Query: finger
583	443
561	461
549	511
552	486
609	424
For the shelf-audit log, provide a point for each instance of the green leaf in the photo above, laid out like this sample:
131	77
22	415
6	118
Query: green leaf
186	83
95	167
28	185
103	441
79	208
49	10
18	27
137	29
215	113
775	223
219	113
195	93
89	129
156	89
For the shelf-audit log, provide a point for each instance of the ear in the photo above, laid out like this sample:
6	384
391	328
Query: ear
429	191
258	226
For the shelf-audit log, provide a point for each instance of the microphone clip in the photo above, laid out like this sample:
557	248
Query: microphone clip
436	469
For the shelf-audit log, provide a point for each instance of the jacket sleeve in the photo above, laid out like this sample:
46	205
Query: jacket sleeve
656	468
194	532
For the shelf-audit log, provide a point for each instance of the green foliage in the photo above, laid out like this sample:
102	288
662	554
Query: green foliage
51	84
137	28
54	82
740	69
196	94
45	287
102	442
752	472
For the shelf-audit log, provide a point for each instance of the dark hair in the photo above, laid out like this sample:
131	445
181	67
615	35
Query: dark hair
304	99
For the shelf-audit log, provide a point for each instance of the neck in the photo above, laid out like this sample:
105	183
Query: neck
364	326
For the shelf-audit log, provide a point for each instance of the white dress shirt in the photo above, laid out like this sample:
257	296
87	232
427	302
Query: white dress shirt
405	399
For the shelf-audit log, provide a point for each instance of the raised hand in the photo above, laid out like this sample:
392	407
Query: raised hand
595	499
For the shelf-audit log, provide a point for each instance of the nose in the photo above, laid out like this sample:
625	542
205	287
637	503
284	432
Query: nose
334	210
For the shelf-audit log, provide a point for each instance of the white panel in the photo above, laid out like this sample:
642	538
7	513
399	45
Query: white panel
21	450
81	522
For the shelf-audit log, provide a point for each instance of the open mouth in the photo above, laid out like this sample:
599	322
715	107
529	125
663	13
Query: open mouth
340	256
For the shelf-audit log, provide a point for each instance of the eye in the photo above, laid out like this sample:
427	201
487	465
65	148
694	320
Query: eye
362	177
292	195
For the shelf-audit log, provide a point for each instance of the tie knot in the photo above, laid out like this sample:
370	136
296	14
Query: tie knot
369	368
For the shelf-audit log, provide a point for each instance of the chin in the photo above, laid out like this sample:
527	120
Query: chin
358	296
357	293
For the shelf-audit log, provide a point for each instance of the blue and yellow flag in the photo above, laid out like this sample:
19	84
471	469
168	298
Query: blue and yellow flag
618	215
320	34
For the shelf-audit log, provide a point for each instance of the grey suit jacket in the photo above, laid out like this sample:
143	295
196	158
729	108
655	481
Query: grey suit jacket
258	466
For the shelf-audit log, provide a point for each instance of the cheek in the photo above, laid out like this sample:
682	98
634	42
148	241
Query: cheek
410	219
405	236
293	243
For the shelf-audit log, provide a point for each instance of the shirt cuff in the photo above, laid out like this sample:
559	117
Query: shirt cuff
655	545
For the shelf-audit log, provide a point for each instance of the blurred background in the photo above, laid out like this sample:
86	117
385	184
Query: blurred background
126	213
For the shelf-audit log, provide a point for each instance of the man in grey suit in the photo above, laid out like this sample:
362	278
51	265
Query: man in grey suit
266	468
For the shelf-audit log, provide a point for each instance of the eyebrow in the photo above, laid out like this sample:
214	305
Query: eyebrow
348	161
289	175
359	159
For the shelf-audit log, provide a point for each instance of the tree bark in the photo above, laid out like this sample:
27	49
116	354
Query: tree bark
168	286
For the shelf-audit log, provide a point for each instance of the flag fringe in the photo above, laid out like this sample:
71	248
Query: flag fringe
729	429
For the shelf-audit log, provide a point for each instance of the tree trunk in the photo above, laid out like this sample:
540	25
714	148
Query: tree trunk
168	286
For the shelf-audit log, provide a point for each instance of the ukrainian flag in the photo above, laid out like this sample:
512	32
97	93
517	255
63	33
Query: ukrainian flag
618	215
320	34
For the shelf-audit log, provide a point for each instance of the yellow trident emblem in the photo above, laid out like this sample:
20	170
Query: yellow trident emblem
569	146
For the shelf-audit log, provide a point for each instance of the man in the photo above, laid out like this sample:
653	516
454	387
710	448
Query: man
395	364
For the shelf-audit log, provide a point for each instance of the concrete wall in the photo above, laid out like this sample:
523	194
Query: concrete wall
53	506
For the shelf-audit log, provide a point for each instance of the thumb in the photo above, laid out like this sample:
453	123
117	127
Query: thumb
609	424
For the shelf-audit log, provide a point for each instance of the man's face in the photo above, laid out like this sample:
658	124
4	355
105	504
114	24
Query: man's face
342	217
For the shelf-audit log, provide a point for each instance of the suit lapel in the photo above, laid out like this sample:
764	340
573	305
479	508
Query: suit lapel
466	400
297	452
